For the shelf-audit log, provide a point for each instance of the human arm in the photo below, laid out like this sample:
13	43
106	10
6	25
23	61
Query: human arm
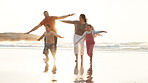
60	36
35	28
41	37
83	36
68	21
65	16
55	34
97	32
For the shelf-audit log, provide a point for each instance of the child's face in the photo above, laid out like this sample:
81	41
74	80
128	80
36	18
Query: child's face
88	28
47	28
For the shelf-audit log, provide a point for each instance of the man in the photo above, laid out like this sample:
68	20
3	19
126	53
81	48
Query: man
51	20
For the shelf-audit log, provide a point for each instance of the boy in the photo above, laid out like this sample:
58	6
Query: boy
49	42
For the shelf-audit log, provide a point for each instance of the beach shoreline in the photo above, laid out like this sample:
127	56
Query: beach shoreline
26	65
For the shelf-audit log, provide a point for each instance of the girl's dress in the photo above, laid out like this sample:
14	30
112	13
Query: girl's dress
89	43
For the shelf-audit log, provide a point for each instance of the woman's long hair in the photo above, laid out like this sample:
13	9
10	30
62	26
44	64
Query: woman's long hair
84	17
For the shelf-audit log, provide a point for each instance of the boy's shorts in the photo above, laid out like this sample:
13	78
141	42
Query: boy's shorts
48	46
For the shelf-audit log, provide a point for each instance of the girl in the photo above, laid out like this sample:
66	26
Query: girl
89	36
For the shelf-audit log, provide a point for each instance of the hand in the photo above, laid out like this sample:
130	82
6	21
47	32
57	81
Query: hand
38	39
99	34
76	43
61	37
72	14
27	33
104	31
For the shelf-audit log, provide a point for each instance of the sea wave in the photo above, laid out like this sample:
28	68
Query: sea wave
130	46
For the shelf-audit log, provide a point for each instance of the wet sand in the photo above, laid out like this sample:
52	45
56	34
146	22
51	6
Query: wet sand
26	65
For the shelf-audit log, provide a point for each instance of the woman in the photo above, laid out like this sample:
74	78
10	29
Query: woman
80	26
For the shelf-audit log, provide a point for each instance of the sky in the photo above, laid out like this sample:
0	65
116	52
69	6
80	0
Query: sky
124	20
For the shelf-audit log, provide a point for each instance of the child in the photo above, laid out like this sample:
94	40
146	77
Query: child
89	36
49	42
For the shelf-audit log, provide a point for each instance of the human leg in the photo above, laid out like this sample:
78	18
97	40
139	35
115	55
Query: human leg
76	57
76	69
44	40
75	39
55	40
90	51
81	48
76	52
52	49
46	67
87	49
46	52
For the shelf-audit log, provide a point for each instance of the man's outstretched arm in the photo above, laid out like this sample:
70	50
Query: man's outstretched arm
62	17
35	28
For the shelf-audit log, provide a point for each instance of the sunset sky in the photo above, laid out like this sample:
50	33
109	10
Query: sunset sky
124	20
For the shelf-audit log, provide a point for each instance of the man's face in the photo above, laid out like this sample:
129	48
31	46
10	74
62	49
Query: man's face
46	14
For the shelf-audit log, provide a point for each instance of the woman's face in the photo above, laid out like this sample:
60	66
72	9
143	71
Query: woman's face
81	19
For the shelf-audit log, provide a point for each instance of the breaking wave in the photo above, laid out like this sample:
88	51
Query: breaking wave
129	46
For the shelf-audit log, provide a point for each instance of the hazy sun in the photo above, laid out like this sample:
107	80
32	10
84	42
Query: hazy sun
65	30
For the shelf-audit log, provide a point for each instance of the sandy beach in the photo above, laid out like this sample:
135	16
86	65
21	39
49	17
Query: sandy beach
25	65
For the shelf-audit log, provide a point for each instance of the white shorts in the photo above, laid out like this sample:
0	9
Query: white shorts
78	48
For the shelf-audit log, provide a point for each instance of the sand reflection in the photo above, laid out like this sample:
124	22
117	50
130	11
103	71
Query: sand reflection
79	77
89	75
54	69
